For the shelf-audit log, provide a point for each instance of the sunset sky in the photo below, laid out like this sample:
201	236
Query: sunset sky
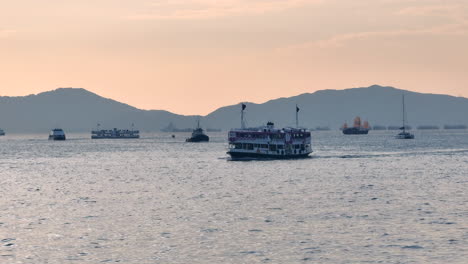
193	56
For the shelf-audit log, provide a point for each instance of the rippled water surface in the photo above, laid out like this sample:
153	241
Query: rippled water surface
359	199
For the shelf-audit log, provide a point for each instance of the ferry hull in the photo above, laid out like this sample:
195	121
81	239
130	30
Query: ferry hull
199	138
242	155
57	137
355	131
404	135
111	137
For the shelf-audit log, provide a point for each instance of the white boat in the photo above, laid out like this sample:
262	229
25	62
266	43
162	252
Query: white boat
115	133
404	134
57	134
269	142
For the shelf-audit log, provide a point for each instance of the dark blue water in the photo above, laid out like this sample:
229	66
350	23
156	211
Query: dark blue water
359	199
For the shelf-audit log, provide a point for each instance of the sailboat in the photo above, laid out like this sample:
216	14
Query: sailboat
404	134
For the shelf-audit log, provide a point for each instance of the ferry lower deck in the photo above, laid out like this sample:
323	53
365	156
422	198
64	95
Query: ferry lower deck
277	151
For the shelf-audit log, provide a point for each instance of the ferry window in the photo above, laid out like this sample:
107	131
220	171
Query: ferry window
302	147
238	146
265	146
250	146
297	146
280	146
272	147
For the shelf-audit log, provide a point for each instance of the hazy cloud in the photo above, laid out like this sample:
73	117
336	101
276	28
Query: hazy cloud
207	9
456	12
4	33
456	25
343	39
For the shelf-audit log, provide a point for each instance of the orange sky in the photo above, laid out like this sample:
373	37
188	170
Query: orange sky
193	56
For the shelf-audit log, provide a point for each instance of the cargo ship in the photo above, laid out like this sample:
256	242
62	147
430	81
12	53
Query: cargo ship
269	142
357	129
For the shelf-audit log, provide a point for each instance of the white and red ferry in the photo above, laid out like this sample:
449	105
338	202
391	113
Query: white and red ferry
269	142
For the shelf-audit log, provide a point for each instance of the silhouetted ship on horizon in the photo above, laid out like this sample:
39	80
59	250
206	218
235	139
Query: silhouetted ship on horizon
455	127
357	128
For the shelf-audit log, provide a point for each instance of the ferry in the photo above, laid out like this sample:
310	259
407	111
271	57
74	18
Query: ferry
269	142
114	133
57	134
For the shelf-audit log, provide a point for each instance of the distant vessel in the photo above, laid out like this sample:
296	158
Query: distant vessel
428	127
172	128
404	134
379	127
198	135
455	127
114	133
322	128
2	133
269	142
57	134
357	128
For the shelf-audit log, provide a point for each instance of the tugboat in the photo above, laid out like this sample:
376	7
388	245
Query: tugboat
198	135
114	133
2	133
357	128
404	134
269	142
57	134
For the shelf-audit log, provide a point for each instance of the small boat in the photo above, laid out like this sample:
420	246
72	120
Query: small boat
268	142
404	134
357	128
57	134
2	132
198	135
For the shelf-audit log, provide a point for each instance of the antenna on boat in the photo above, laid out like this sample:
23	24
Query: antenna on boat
198	123
242	116
297	116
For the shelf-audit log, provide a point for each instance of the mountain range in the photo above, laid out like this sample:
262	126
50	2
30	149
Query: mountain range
78	110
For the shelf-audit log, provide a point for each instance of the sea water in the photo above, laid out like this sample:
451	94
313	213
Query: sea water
358	199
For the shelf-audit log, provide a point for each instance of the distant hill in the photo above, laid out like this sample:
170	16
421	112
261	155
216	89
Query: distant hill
79	110
76	109
331	108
